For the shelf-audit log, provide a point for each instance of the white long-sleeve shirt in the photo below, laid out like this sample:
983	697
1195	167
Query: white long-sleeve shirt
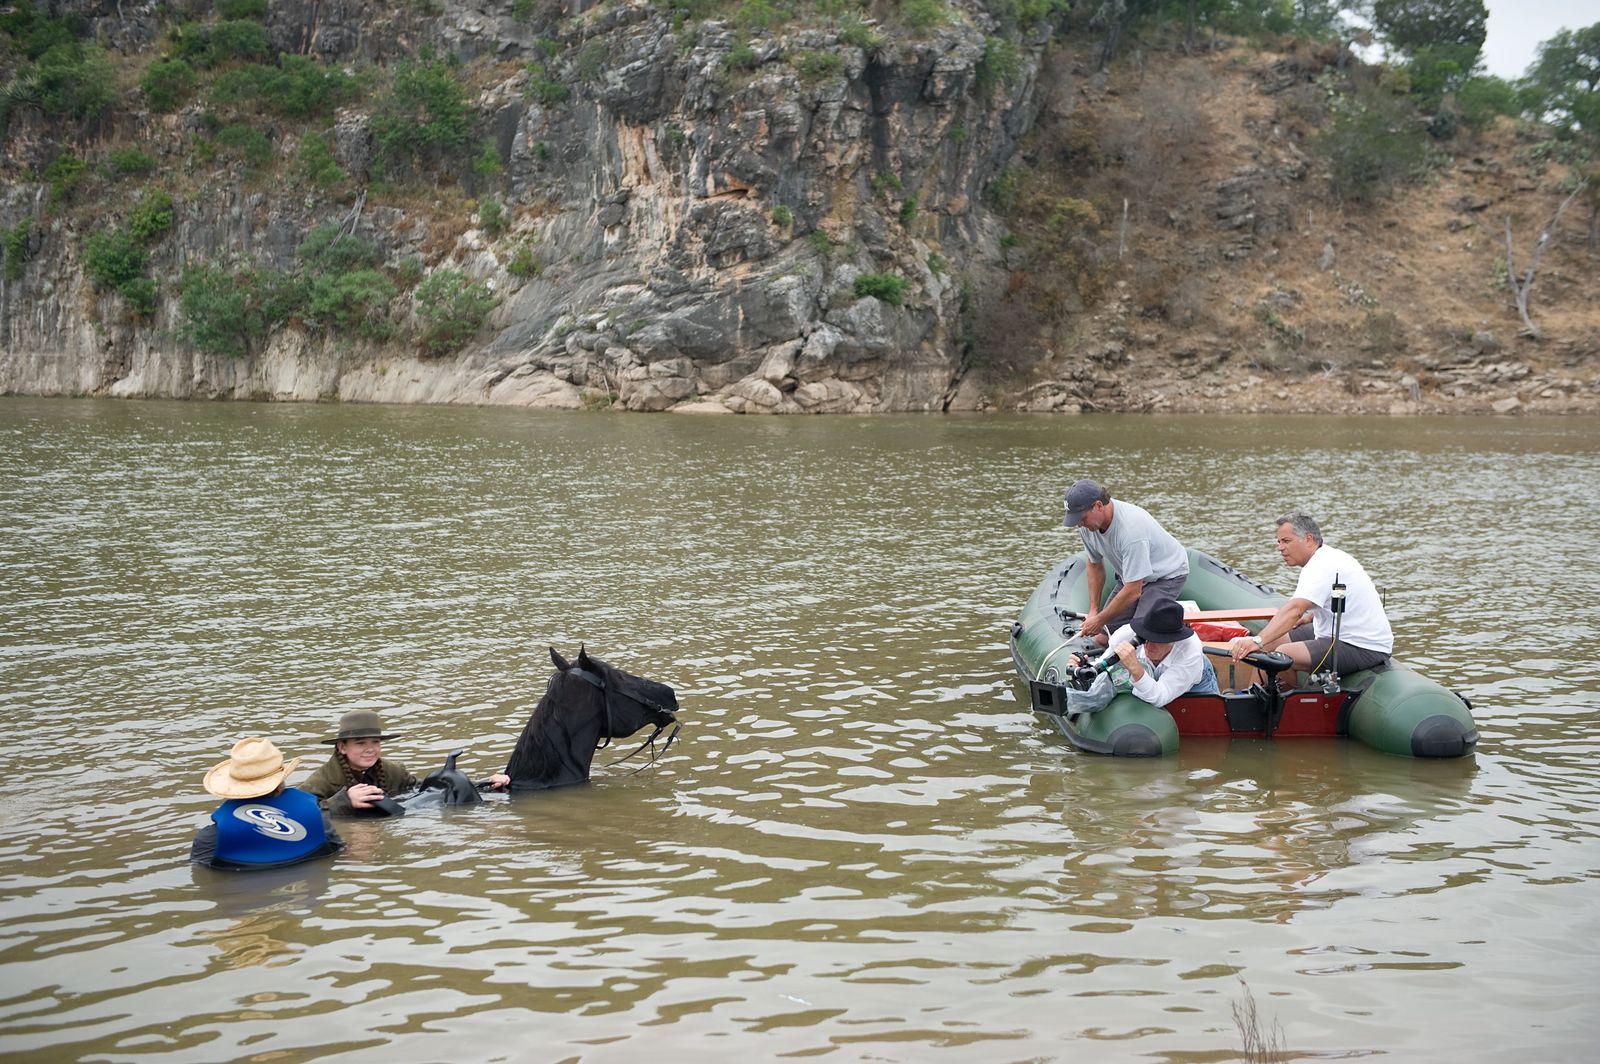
1181	669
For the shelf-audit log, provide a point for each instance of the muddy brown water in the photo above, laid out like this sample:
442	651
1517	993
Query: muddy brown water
863	847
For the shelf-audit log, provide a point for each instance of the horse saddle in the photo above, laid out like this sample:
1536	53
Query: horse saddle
446	785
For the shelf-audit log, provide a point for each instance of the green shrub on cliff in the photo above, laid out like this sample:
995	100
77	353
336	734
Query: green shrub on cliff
817	66
355	302
298	87
220	312
1375	141
885	287
451	309
763	14
127	162
543	87
71	80
1001	63
424	121
245	142
63	176
314	162
524	263
34	33
116	262
14	246
242	9
232	39
924	14
855	32
166	84
231	313
151	216
327	249
1483	99
492	217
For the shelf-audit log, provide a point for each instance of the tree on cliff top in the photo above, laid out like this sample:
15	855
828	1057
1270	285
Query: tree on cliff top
1566	77
1441	38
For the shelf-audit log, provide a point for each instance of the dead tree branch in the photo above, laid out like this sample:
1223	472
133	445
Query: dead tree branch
1520	288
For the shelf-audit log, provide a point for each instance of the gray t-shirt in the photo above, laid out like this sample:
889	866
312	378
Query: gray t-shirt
1139	548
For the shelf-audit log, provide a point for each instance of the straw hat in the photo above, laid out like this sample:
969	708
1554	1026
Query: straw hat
254	768
359	724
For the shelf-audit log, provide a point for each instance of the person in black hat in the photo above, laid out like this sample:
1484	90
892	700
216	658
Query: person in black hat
1151	566
1170	662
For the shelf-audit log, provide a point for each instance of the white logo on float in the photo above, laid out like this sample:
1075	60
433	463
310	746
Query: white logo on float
271	822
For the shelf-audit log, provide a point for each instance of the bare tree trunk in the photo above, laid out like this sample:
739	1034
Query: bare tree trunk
1114	12
1521	288
353	219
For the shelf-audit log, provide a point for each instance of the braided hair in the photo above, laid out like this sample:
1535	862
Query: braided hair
373	775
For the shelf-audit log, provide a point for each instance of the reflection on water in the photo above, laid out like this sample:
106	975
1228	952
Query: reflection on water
862	846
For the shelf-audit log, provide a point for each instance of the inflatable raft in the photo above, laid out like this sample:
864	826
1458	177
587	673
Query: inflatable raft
1393	709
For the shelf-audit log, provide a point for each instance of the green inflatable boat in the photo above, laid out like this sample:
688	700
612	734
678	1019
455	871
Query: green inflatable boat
1393	708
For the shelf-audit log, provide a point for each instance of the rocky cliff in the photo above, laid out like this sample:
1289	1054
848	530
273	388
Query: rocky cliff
699	224
720	214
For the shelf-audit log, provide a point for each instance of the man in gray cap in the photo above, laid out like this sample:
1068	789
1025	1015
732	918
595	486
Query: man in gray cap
1151	566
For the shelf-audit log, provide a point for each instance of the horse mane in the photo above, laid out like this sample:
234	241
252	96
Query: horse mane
547	752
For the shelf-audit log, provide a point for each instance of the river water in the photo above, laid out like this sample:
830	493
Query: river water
863	847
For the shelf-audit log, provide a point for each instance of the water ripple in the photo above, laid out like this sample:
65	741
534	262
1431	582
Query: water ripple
863	845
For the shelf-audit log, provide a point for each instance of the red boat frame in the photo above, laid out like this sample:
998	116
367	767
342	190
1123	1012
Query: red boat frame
1306	712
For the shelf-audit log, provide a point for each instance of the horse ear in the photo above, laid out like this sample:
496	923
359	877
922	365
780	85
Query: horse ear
583	658
560	662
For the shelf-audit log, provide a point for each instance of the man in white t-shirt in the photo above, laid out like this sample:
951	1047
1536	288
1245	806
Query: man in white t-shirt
1151	566
1365	638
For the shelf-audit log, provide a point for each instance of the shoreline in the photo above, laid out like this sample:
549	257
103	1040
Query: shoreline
1245	405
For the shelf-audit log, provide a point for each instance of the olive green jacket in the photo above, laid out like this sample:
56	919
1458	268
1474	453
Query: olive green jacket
328	784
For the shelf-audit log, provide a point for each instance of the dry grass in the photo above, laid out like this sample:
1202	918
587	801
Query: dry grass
1397	286
1262	1044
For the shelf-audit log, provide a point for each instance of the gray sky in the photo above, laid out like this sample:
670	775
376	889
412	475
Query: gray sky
1518	27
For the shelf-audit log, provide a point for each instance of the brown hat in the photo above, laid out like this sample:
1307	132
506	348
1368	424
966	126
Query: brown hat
360	724
254	768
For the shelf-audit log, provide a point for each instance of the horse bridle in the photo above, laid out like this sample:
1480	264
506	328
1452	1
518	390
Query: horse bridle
598	680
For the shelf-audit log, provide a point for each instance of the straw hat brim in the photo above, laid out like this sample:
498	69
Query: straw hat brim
220	781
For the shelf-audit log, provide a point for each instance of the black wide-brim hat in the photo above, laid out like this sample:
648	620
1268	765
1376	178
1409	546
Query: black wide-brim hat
1164	624
360	724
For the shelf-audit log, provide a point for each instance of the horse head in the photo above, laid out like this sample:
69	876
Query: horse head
587	703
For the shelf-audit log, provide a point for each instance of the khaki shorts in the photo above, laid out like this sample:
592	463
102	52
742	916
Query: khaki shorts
1351	657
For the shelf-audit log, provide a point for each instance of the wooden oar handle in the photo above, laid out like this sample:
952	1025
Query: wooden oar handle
1254	613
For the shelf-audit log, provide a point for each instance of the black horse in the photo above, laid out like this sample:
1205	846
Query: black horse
587	704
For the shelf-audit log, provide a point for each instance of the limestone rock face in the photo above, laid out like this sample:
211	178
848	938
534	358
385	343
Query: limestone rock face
698	224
